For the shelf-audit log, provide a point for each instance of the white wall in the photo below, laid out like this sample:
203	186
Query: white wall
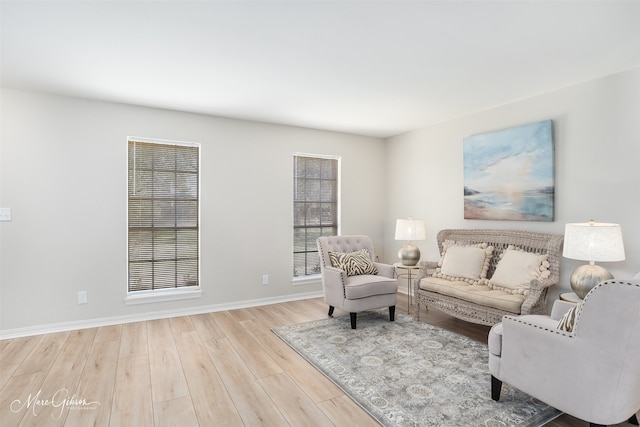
597	151
63	173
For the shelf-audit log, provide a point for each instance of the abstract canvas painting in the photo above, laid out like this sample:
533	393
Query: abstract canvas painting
509	174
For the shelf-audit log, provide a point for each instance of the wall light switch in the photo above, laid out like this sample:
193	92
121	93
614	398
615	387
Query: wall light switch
5	214
265	279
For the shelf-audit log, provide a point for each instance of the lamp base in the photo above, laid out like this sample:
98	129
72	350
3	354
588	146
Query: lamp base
409	254
586	277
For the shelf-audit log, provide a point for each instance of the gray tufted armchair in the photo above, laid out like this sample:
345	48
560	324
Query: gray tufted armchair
591	372
358	292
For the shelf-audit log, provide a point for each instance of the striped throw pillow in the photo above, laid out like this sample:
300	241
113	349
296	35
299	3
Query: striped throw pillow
568	321
353	263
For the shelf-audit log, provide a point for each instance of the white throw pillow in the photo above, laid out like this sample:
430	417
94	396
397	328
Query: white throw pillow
517	268
465	263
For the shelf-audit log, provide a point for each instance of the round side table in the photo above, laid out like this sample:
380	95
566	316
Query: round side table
408	273
570	297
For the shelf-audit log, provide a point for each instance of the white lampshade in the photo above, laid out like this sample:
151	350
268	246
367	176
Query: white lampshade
410	229
593	241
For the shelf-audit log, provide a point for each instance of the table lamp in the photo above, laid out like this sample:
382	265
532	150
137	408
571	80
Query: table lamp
592	241
410	230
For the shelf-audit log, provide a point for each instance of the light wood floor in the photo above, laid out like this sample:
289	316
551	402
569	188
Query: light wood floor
217	369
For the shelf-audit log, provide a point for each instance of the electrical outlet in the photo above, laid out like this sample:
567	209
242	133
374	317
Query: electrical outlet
265	279
82	297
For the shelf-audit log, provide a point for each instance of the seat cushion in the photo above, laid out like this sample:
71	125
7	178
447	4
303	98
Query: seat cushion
367	285
479	294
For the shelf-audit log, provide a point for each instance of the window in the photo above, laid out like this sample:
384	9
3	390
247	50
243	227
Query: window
163	215
315	208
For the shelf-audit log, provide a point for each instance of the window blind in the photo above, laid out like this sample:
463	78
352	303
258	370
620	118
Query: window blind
163	215
315	209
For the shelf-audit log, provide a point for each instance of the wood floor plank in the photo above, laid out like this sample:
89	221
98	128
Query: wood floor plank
132	405
109	333
17	349
210	398
63	378
268	315
297	408
249	350
207	327
310	380
181	324
175	413
342	411
6	371
240	314
133	341
304	311
3	344
167	377
254	405
43	354
96	386
16	398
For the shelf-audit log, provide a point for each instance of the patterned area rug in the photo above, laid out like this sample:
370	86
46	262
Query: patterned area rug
409	373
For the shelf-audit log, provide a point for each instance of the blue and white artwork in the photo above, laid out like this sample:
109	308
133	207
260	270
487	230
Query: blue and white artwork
509	174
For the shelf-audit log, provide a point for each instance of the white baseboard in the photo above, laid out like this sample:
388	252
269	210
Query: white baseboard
108	321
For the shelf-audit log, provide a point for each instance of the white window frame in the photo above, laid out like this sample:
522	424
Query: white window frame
312	278
169	294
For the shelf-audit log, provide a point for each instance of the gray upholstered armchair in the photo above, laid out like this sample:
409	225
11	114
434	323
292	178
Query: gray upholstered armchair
356	282
591	372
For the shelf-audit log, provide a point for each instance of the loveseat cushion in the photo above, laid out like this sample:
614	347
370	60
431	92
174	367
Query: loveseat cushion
479	294
363	286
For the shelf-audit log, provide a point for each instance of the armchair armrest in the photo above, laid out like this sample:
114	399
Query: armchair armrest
333	280
544	361
385	270
530	338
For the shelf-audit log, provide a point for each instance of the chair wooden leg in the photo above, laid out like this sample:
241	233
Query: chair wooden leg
353	320
331	310
633	420
496	386
392	313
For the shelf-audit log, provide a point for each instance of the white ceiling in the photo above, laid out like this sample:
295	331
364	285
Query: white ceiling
375	68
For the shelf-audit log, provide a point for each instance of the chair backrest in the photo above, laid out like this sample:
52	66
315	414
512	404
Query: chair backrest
611	312
539	243
608	327
342	244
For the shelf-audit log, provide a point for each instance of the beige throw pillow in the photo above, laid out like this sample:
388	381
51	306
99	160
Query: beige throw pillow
516	269
468	263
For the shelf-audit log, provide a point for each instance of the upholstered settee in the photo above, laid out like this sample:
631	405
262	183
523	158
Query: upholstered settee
484	274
